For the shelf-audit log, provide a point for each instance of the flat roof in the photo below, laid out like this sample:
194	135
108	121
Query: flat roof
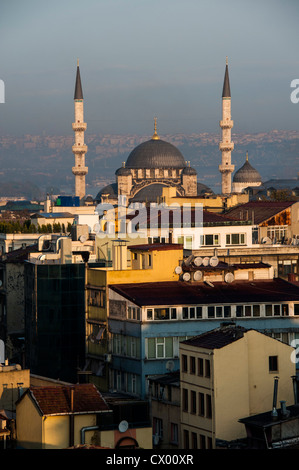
201	293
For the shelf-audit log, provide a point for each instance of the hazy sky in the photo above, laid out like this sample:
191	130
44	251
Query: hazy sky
145	58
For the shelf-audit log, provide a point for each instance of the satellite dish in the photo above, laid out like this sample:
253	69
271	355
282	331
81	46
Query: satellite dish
82	238
214	261
170	365
186	276
229	277
97	228
267	241
189	260
198	261
209	283
42	257
178	270
123	426
206	261
197	276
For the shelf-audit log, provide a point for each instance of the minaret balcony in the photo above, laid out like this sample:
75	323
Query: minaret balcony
79	126
80	170
226	168
79	148
226	124
228	146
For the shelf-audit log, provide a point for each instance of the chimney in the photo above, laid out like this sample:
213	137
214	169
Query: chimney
284	412
274	413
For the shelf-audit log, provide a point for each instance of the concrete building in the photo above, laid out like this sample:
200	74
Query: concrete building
76	416
165	398
226	374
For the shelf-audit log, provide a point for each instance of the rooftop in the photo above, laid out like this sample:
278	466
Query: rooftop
259	211
218	338
196	293
53	400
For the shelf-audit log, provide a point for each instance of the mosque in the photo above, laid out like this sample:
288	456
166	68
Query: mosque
156	164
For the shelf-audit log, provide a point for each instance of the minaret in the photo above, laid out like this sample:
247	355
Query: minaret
79	148
226	145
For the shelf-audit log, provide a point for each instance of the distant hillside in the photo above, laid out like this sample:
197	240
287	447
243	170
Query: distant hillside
30	165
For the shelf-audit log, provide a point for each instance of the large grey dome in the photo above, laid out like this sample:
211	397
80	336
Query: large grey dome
247	174
155	153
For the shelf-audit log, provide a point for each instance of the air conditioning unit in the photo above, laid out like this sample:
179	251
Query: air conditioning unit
108	357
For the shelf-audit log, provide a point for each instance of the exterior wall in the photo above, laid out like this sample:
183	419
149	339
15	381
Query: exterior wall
14	241
238	187
55	432
13	379
29	425
14	285
242	389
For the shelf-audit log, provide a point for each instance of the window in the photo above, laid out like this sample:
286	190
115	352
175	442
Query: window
194	440
159	348
201	404
161	314
200	367
158	427
190	313
277	310
211	312
209	239
209	406
174	433
207	368
192	365
296	309
283	337
277	233
184	363
185	399
210	443
202	441
193	402
133	313
273	363
186	439
235	239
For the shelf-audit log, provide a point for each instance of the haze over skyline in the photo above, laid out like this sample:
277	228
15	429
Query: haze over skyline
141	59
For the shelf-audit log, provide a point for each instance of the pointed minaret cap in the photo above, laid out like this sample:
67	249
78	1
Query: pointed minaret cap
78	87
226	87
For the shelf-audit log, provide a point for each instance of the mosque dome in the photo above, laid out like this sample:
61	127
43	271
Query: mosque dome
247	174
155	153
123	171
110	191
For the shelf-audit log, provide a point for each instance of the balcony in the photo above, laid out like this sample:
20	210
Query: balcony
79	126
226	124
79	148
80	170
226	146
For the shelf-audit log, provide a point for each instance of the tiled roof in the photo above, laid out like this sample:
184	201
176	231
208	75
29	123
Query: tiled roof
259	211
200	293
218	338
156	246
54	400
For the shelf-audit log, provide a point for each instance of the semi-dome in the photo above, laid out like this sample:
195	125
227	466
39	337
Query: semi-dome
189	171
247	174
155	153
110	190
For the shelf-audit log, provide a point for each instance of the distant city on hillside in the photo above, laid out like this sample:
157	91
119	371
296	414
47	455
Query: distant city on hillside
32	165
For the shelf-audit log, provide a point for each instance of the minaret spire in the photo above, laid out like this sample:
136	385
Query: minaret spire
79	148
226	145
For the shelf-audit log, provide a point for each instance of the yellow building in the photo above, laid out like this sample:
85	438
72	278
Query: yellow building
227	374
213	203
60	417
13	380
148	263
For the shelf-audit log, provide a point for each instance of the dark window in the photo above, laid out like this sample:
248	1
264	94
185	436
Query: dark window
201	404
209	406
198	312
202	441
200	367
186	439
184	363
192	365
194	440
211	312
208	368
273	363
185	399
193	402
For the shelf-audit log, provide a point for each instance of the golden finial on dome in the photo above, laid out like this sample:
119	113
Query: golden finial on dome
226	60
155	136
247	156
77	62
